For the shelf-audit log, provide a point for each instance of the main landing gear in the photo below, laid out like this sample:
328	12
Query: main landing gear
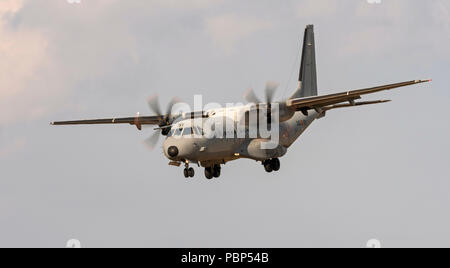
212	172
271	165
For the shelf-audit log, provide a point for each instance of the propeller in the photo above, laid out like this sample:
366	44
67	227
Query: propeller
152	141
166	119
153	103
270	90
251	97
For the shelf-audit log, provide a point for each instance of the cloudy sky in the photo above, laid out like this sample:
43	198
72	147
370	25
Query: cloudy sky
374	172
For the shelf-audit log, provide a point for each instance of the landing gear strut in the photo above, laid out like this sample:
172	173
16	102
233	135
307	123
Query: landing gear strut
272	165
213	172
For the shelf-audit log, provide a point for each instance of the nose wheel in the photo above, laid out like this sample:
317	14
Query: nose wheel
189	172
271	165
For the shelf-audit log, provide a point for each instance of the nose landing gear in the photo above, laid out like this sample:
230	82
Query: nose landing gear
271	165
188	172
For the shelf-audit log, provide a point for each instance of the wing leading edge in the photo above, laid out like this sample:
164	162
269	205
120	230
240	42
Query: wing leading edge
138	121
318	102
163	121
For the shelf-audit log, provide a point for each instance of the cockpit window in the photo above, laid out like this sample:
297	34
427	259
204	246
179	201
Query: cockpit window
187	131
171	133
199	131
178	132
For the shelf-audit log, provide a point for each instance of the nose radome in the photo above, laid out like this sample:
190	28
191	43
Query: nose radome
172	151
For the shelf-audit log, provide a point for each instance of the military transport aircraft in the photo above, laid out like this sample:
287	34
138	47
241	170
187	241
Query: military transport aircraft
186	143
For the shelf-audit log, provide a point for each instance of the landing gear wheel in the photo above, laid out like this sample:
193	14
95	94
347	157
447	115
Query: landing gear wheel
209	173
268	166
216	171
191	172
275	164
271	165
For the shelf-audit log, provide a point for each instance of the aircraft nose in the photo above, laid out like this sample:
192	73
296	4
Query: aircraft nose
172	151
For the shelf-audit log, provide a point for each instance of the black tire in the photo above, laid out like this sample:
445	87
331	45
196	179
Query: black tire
186	173
216	171
191	172
275	164
268	166
208	173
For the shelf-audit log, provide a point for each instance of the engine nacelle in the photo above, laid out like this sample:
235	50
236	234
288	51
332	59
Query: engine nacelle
259	111
286	113
255	150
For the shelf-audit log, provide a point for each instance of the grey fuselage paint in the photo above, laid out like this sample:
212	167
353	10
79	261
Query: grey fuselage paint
210	151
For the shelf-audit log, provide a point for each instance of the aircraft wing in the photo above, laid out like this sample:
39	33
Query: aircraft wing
138	121
318	102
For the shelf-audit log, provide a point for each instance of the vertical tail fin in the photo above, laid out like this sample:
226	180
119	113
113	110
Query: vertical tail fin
307	81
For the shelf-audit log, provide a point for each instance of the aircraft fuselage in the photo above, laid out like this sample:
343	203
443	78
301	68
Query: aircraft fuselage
192	147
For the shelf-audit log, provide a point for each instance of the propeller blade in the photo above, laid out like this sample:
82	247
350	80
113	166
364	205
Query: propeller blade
152	141
153	103
251	97
170	106
271	87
